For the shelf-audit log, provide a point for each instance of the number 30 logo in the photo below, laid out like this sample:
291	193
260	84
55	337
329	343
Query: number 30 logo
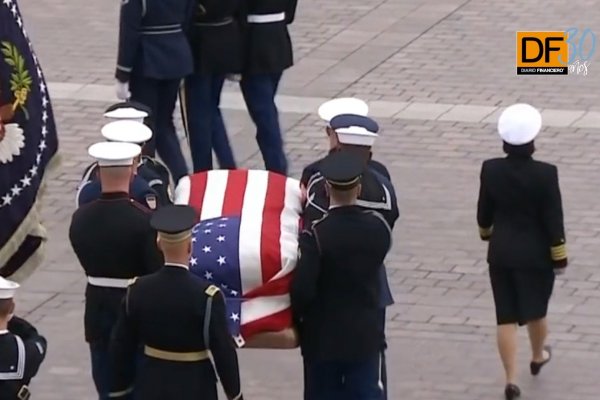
576	48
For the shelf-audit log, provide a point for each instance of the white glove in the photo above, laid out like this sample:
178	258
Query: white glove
122	90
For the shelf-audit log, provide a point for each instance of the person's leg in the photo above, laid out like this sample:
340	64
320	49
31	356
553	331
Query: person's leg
362	380
145	91
259	94
507	318
382	363
100	369
220	140
167	143
198	115
323	381
535	290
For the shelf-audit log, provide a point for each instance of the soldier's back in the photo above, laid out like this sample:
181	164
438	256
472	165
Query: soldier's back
169	307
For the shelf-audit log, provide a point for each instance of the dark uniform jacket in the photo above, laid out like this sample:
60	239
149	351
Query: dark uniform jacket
150	186
268	46
172	314
520	213
112	238
377	194
336	287
152	42
216	37
22	351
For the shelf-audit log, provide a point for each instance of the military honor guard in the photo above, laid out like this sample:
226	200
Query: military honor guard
22	348
355	133
216	41
520	214
268	52
140	190
177	318
114	242
338	319
154	55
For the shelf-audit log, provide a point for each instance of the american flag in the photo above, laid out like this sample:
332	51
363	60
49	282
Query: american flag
246	243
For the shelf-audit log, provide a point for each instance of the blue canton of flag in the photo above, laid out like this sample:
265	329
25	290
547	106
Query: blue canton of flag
215	258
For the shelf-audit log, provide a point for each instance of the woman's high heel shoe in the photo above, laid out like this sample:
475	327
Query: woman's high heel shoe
511	392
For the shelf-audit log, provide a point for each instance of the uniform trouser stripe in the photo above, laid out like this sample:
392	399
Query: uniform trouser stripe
184	114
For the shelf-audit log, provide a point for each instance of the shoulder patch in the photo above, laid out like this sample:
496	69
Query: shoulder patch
211	290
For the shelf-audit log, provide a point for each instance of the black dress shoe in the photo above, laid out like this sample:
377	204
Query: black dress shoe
511	392
536	367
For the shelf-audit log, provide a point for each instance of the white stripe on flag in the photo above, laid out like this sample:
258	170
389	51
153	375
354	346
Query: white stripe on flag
251	228
290	220
262	307
214	194
182	191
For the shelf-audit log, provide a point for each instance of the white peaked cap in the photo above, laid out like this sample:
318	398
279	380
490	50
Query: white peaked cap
127	113
356	135
126	131
345	105
519	124
7	288
114	154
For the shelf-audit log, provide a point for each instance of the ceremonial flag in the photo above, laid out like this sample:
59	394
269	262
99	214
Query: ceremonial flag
28	142
246	243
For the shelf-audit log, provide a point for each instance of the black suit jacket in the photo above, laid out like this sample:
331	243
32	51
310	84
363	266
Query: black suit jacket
336	287
520	212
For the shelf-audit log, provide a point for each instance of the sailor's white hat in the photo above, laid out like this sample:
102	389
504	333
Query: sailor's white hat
519	124
344	105
126	131
114	154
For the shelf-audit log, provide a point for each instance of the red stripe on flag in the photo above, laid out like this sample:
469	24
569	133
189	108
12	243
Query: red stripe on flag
234	192
197	190
270	250
271	323
275	287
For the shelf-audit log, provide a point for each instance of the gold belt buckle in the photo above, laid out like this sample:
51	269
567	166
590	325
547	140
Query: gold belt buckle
24	393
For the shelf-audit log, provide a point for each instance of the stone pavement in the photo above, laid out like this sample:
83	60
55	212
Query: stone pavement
437	72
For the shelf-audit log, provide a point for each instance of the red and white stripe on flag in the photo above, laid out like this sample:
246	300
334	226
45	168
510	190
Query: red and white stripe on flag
270	206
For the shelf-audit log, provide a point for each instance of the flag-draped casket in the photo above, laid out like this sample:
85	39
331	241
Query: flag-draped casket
28	143
246	243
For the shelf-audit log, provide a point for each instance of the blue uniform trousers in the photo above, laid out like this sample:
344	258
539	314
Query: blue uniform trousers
161	96
338	380
259	92
99	355
205	126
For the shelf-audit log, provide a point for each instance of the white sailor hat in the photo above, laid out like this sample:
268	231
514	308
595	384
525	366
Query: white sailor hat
355	129
114	154
519	124
344	105
7	288
126	131
127	111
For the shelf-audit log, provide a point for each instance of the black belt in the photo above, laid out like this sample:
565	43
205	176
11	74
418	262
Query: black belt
160	29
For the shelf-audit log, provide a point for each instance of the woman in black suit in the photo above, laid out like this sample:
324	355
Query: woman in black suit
520	213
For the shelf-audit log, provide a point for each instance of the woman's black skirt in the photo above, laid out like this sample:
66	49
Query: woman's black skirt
521	295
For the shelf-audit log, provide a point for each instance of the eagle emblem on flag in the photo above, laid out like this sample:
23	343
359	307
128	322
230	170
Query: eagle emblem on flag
246	243
28	143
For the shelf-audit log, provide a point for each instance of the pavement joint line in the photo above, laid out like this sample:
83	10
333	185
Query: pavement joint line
477	114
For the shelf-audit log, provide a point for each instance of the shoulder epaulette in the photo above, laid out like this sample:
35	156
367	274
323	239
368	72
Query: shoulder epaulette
211	290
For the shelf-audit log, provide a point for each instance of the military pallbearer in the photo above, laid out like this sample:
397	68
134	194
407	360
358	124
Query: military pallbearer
114	242
176	318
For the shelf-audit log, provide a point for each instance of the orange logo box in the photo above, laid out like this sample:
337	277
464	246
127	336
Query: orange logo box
542	53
